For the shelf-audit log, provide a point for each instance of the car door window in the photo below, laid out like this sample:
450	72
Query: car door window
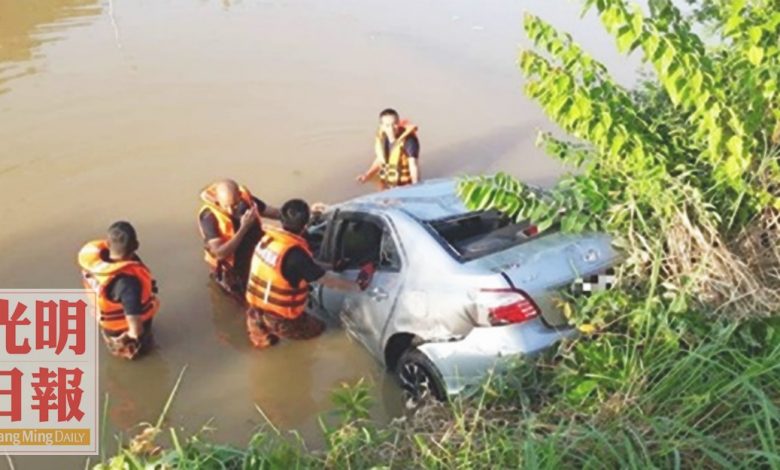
367	241
360	243
389	258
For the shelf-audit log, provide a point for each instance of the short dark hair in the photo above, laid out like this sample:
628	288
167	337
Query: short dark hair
388	112
295	215
122	238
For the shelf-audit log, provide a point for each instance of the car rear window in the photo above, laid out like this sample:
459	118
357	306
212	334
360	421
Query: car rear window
477	234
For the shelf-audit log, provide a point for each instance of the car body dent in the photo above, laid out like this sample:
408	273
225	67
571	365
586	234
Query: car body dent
465	362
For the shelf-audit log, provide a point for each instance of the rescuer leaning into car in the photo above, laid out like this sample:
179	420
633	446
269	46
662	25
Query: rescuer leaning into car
278	289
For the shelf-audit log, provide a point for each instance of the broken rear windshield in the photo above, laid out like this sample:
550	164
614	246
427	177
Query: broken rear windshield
477	234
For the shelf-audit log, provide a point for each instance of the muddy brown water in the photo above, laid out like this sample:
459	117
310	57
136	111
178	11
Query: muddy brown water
125	109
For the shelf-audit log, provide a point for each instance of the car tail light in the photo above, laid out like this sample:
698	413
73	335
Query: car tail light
508	306
531	231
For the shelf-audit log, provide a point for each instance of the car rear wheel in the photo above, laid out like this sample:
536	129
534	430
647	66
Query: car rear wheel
419	379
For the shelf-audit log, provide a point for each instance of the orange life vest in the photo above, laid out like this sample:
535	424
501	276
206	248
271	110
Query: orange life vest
267	289
395	169
98	271
224	223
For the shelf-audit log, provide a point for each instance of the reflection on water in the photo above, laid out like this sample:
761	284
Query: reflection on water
26	24
229	319
122	384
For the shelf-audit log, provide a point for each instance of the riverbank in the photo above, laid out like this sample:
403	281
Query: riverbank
690	393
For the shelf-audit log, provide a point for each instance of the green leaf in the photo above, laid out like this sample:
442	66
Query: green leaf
583	389
755	34
625	39
544	224
637	21
732	168
568	222
732	24
755	55
697	79
735	146
651	46
666	59
715	139
618	139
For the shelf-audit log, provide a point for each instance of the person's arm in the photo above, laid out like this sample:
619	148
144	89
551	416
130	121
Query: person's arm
379	159
269	212
414	170
128	293
372	170
412	148
135	326
333	281
222	250
300	265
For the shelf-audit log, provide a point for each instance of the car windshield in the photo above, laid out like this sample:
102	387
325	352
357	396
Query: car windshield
477	234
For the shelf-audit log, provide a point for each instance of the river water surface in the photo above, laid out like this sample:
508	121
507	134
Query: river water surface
126	109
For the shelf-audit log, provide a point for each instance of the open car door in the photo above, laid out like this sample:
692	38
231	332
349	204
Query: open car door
362	240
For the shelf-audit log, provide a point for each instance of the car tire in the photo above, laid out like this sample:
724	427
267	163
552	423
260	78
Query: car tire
419	379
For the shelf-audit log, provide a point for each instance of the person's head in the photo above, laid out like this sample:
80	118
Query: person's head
122	240
388	121
295	215
228	195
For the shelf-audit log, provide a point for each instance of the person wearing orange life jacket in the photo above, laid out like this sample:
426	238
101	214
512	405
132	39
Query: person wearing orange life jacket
126	292
397	153
229	223
278	287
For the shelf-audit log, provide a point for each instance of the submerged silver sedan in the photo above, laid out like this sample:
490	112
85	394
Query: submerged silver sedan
452	293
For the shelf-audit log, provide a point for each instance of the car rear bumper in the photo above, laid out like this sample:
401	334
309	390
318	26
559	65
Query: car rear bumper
464	363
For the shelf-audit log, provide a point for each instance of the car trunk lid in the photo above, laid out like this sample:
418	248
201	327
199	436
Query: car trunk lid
551	263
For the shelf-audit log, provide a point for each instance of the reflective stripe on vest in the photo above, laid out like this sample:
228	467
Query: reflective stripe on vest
224	224
97	274
395	170
267	289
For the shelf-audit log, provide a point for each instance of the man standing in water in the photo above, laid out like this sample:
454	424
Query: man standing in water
126	291
397	151
278	288
229	223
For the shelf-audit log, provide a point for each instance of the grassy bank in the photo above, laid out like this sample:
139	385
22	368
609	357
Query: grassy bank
688	394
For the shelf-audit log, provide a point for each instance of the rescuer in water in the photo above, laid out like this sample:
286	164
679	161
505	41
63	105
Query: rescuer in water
397	152
126	292
278	289
230	225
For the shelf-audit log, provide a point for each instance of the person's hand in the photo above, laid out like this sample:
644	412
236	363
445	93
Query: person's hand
125	338
361	178
365	275
319	207
249	217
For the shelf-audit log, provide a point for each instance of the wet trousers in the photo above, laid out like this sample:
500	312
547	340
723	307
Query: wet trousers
265	329
125	347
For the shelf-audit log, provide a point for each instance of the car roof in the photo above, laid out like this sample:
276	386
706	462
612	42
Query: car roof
430	200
